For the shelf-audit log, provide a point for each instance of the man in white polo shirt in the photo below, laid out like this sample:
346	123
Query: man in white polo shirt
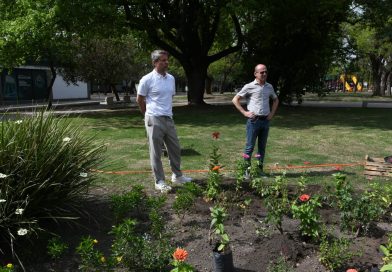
154	97
258	94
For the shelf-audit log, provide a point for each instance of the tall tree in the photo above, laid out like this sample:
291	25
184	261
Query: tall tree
187	30
296	39
29	31
372	34
103	61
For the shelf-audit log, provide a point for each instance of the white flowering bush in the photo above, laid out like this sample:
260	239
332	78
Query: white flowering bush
45	164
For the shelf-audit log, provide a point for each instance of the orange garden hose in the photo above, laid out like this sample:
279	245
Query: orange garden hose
338	166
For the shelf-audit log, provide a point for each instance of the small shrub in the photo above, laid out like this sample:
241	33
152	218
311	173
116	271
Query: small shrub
334	253
185	198
281	265
134	200
275	197
305	209
7	268
91	258
140	251
356	212
56	247
387	251
143	247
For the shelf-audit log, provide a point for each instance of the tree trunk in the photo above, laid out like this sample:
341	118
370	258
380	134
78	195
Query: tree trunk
383	83
208	84
376	73
49	90
389	79
114	91
196	75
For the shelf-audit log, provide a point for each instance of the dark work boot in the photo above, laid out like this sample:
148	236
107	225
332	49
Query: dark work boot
262	173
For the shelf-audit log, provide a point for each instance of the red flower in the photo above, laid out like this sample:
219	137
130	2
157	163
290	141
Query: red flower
304	197
215	135
352	270
306	162
216	168
180	254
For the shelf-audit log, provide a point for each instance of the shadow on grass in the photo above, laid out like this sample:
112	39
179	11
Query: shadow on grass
288	117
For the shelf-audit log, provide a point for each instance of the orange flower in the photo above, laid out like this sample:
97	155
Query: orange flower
215	135
216	168
304	197
180	254
352	270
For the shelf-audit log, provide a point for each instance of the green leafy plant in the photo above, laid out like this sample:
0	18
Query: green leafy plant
275	197
280	265
334	252
92	259
218	215
185	198
356	212
179	257
387	251
213	182
140	250
305	209
123	204
56	247
242	167
7	268
44	172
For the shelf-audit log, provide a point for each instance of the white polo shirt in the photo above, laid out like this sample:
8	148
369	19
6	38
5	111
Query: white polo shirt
257	97
159	91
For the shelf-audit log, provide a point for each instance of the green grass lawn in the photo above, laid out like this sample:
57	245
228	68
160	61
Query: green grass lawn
297	135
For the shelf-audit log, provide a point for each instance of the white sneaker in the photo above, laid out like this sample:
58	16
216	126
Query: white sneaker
160	185
180	180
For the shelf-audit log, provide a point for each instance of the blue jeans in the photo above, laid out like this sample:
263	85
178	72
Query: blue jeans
256	128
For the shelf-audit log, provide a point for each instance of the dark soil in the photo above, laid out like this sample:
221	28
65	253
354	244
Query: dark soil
254	243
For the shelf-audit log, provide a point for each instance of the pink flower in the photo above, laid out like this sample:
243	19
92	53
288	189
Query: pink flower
352	270
215	135
245	156
338	168
304	197
257	156
306	162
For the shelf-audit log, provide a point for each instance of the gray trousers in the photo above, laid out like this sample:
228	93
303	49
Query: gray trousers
161	130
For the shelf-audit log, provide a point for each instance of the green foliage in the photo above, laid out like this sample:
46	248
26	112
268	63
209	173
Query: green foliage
281	265
92	259
7	268
275	198
140	251
134	200
306	212
242	167
56	247
387	251
185	198
334	253
292	64
214	181
44	166
356	212
218	215
181	267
